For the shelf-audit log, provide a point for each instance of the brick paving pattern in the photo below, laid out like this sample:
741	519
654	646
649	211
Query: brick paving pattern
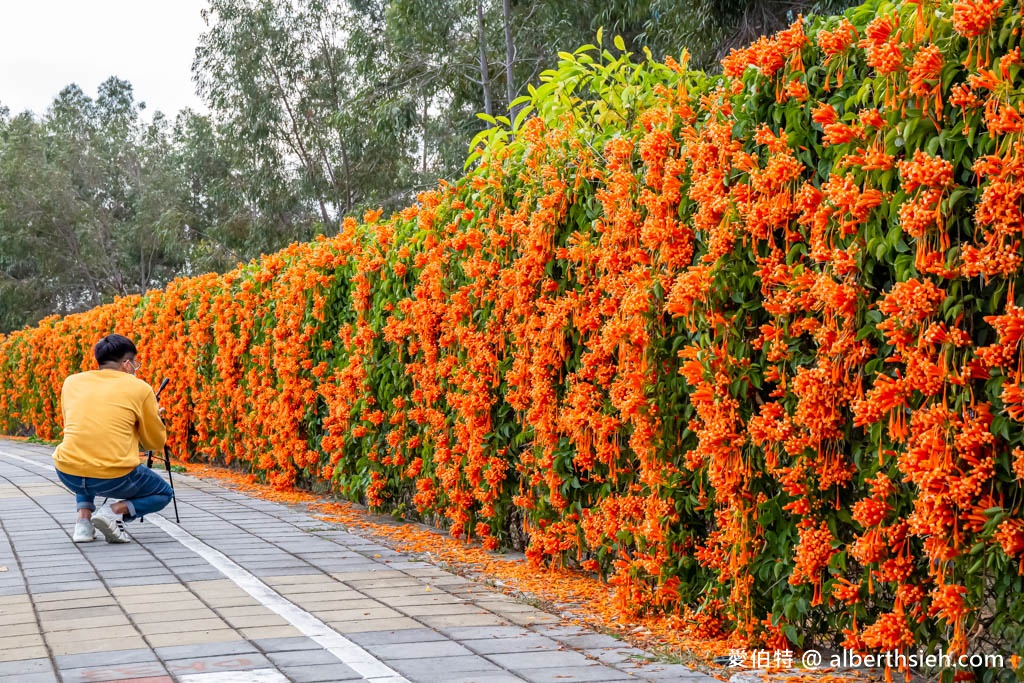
155	611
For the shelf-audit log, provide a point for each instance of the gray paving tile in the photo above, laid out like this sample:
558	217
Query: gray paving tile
12	670
40	677
540	660
559	631
110	657
591	641
320	673
302	657
205	575
121	582
412	635
229	647
285	644
619	655
437	648
657	671
62	586
529	643
592	674
443	665
481	632
466	677
233	662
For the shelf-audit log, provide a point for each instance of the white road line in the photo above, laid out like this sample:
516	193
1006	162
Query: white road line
26	460
48	468
347	652
350	654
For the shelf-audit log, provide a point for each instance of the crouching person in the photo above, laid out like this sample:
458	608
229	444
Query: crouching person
108	413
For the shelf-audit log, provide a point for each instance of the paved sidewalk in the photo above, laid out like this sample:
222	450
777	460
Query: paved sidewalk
248	590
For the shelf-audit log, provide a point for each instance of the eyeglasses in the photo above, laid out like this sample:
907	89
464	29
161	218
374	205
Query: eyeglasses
135	364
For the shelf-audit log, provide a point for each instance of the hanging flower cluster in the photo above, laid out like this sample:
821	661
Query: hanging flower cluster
748	346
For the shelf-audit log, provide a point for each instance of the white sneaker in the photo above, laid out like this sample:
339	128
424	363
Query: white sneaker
85	532
110	525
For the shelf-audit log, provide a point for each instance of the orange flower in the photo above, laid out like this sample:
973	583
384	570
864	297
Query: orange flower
972	18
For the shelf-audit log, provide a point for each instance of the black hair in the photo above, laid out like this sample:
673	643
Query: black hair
113	348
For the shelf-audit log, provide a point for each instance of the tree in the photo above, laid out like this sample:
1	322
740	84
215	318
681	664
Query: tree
85	201
413	60
282	76
485	76
708	29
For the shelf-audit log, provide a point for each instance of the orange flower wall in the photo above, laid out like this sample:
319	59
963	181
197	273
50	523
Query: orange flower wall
747	345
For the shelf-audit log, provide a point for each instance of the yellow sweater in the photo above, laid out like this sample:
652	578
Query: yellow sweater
107	414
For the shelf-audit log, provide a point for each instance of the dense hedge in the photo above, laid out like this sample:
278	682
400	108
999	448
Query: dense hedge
748	345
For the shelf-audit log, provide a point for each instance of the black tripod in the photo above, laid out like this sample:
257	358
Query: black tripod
167	460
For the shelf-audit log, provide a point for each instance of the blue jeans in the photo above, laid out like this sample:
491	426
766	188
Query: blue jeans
143	491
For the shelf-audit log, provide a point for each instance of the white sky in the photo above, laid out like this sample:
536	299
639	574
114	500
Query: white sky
48	44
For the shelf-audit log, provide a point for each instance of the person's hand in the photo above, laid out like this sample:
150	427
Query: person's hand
160	411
